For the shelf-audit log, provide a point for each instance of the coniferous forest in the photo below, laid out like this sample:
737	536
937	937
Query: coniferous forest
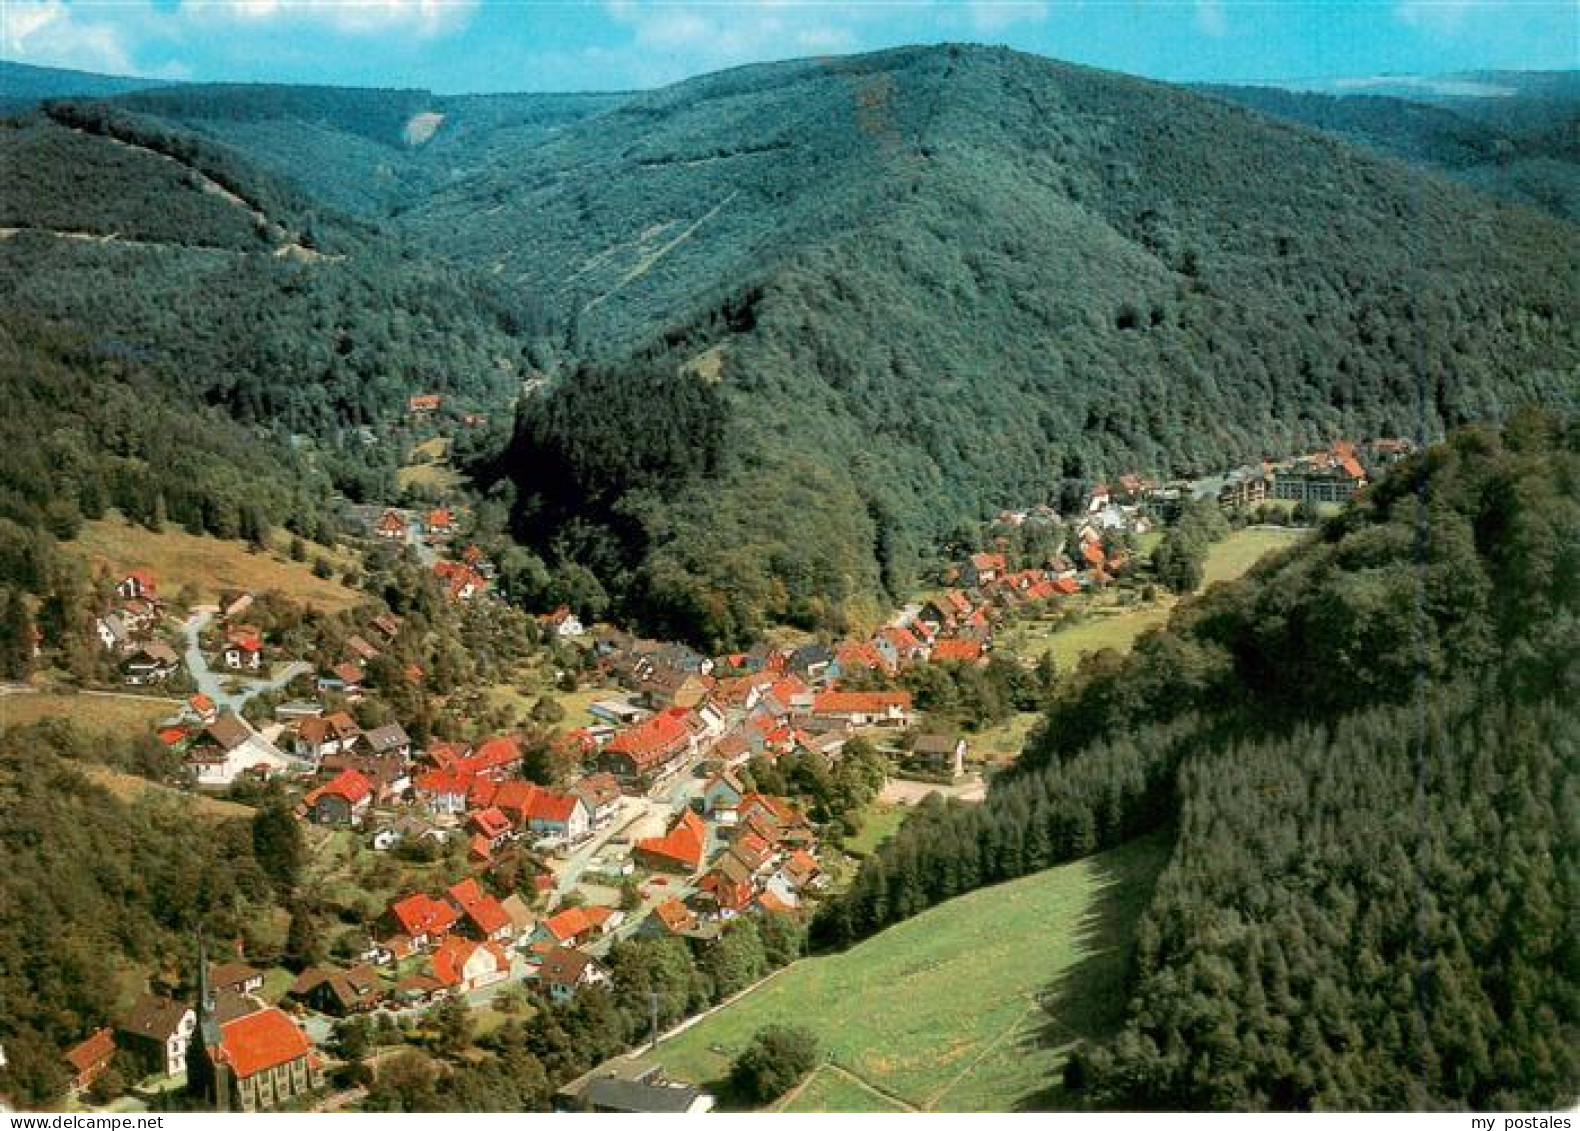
1366	751
736	361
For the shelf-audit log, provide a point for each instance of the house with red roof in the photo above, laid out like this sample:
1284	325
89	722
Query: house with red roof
89	1059
137	585
443	791
463	965
561	816
651	750
681	849
496	758
954	651
390	526
492	825
570	927
203	708
268	1059
344	800
983	569
423	919
243	650
865	708
484	917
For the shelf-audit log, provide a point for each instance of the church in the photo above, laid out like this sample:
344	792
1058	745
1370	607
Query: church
247	1056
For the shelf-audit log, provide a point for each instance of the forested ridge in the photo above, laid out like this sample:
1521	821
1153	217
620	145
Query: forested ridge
1367	751
919	286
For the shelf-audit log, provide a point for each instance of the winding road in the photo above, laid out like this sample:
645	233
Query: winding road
212	683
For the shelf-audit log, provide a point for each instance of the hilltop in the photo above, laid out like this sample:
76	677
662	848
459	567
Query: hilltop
822	312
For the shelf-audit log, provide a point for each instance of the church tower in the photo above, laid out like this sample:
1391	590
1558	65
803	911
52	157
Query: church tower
207	1075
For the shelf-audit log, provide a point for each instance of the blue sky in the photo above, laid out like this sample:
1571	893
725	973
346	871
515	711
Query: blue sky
454	46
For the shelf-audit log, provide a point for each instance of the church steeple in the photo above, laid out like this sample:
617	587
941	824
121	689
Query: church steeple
207	1074
208	1017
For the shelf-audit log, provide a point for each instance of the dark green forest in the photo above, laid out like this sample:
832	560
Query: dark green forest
1366	751
919	285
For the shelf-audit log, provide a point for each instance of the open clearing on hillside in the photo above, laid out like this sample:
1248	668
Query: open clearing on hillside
129	787
429	467
1119	628
971	1006
178	559
98	714
1235	555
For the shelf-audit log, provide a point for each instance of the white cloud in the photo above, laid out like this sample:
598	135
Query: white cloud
1211	17
420	18
48	33
674	40
1443	17
990	16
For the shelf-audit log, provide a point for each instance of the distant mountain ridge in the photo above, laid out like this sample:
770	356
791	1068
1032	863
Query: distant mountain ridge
914	287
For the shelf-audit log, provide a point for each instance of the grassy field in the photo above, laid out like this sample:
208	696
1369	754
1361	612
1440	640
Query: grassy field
1112	626
209	565
830	1088
971	1006
429	467
129	787
101	714
879	823
1233	556
1003	743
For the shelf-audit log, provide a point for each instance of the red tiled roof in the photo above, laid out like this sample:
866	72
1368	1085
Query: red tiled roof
652	741
172	735
684	843
569	924
956	651
860	702
446	781
492	756
92	1053
201	703
491	823
551	805
348	784
261	1041
421	914
674	915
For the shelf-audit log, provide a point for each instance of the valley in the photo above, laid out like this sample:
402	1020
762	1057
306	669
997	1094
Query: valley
926	577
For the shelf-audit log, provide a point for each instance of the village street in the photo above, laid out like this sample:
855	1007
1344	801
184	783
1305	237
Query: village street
212	683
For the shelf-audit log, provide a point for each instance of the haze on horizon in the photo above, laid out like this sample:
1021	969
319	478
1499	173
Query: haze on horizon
469	46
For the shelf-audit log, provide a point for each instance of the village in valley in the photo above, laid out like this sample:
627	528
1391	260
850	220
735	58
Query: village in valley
491	847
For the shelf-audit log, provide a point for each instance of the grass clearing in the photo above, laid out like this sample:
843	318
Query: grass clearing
209	565
1001	744
878	824
130	787
829	1089
98	714
971	1006
1233	556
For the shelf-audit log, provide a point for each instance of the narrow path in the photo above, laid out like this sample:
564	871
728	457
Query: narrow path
1009	1030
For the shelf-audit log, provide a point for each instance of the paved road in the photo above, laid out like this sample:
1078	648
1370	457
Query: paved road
212	683
426	554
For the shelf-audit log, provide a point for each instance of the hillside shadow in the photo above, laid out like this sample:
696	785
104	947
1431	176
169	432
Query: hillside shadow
1087	1001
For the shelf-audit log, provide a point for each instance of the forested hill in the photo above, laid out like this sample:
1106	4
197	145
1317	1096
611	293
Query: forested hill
23	87
368	153
910	288
1367	751
929	283
1513	136
186	337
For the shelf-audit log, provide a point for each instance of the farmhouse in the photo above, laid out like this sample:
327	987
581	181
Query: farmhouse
564	971
89	1059
343	801
650	750
156	1033
865	708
